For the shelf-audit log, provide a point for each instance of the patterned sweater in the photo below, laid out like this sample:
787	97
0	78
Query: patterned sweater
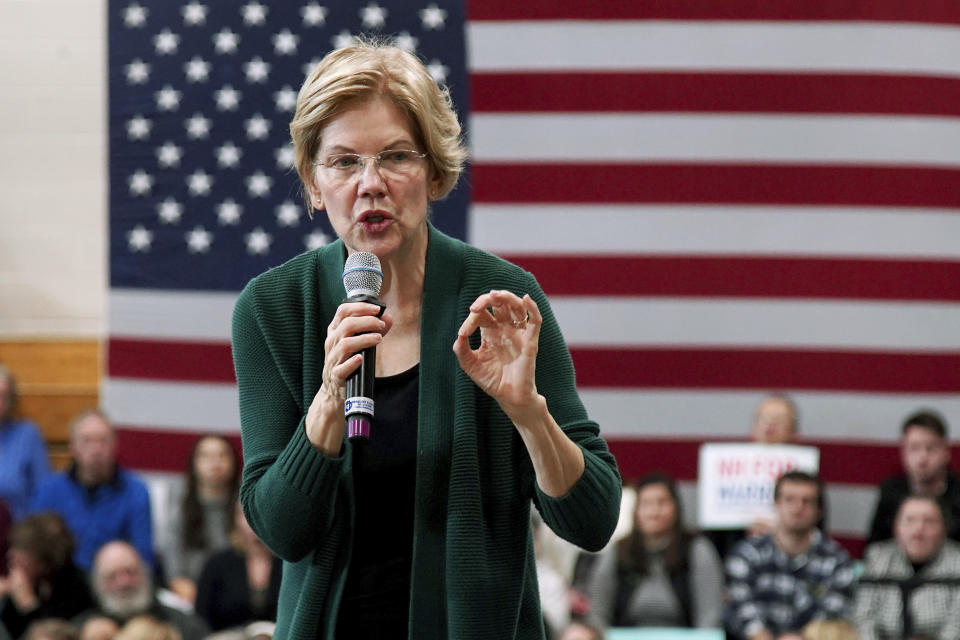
473	573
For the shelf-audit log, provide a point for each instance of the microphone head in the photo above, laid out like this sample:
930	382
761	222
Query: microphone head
362	275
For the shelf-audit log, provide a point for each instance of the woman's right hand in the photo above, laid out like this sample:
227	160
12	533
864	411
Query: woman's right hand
354	327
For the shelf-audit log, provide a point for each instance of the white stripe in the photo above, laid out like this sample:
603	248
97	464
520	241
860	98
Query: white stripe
171	405
836	416
741	229
727	45
629	137
828	324
189	315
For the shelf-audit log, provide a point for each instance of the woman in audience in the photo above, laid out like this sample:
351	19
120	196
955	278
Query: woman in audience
205	518
240	584
660	575
23	453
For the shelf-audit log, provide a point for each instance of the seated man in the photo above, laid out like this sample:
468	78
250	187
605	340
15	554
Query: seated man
911	585
98	500
123	589
780	582
925	455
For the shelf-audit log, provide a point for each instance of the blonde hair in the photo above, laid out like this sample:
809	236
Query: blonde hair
830	630
367	70
147	628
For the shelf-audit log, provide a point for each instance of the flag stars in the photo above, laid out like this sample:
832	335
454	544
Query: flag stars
259	184
166	42
198	240
227	98
226	41
194	14
314	15
258	241
308	67
284	156
406	42
257	127
229	212
315	240
373	16
197	69
137	72
199	183
198	126
285	99
285	43
254	14
288	214
438	71
342	39
256	70
228	155
134	16
169	211
139	239
168	98
140	183
169	155
433	17
138	128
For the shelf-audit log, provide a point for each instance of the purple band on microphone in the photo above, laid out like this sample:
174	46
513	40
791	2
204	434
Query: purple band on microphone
358	427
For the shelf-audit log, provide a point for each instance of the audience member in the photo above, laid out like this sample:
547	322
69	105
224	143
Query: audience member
23	453
780	582
99	500
43	581
148	628
830	630
240	584
123	589
581	631
205	520
553	587
660	575
99	628
925	455
775	421
911	585
6	521
51	629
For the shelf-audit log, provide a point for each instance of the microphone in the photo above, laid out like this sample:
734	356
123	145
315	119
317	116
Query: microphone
362	279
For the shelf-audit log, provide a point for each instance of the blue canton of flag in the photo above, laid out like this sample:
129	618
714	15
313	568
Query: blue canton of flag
203	194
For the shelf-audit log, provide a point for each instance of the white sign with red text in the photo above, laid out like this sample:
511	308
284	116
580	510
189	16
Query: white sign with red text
736	480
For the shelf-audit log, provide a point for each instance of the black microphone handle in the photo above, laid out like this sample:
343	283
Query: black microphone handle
358	406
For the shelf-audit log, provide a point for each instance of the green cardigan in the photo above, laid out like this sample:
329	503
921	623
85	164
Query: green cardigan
473	573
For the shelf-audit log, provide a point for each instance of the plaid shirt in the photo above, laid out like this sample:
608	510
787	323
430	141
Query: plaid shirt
771	590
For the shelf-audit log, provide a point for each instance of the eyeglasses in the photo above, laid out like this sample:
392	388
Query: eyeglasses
392	162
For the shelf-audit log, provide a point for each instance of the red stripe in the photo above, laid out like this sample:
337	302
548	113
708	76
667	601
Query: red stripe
721	276
932	11
167	360
158	450
792	370
715	92
716	183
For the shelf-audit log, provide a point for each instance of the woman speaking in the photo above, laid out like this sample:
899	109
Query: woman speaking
423	530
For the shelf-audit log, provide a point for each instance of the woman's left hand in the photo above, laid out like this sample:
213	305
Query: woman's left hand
505	363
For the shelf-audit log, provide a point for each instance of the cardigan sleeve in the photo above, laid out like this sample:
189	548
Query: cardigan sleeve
289	488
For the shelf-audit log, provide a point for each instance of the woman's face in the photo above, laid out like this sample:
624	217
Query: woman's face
373	210
656	510
213	462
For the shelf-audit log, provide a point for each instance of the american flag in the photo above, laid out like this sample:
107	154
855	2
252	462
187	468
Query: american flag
720	199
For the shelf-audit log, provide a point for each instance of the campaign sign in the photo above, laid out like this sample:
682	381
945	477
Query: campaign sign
736	480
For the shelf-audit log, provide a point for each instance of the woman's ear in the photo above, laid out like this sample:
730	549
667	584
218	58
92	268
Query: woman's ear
316	200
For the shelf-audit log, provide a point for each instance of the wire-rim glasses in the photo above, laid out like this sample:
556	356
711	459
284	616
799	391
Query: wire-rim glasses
394	162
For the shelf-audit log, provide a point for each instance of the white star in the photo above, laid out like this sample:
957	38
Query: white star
342	39
258	241
137	72
139	239
198	126
313	15
197	69
438	71
168	98
256	70
169	155
194	13
138	127
140	183
198	240
284	156
288	214
166	42
373	16
406	42
285	43
229	212
257	127
254	13
227	98
309	66
135	15
170	211
433	17
285	99
315	240
225	41
199	183
228	155
258	184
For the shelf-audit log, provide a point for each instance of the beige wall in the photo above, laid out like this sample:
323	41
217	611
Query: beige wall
53	168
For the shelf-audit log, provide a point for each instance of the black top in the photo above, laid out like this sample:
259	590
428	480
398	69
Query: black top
224	598
894	490
376	597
